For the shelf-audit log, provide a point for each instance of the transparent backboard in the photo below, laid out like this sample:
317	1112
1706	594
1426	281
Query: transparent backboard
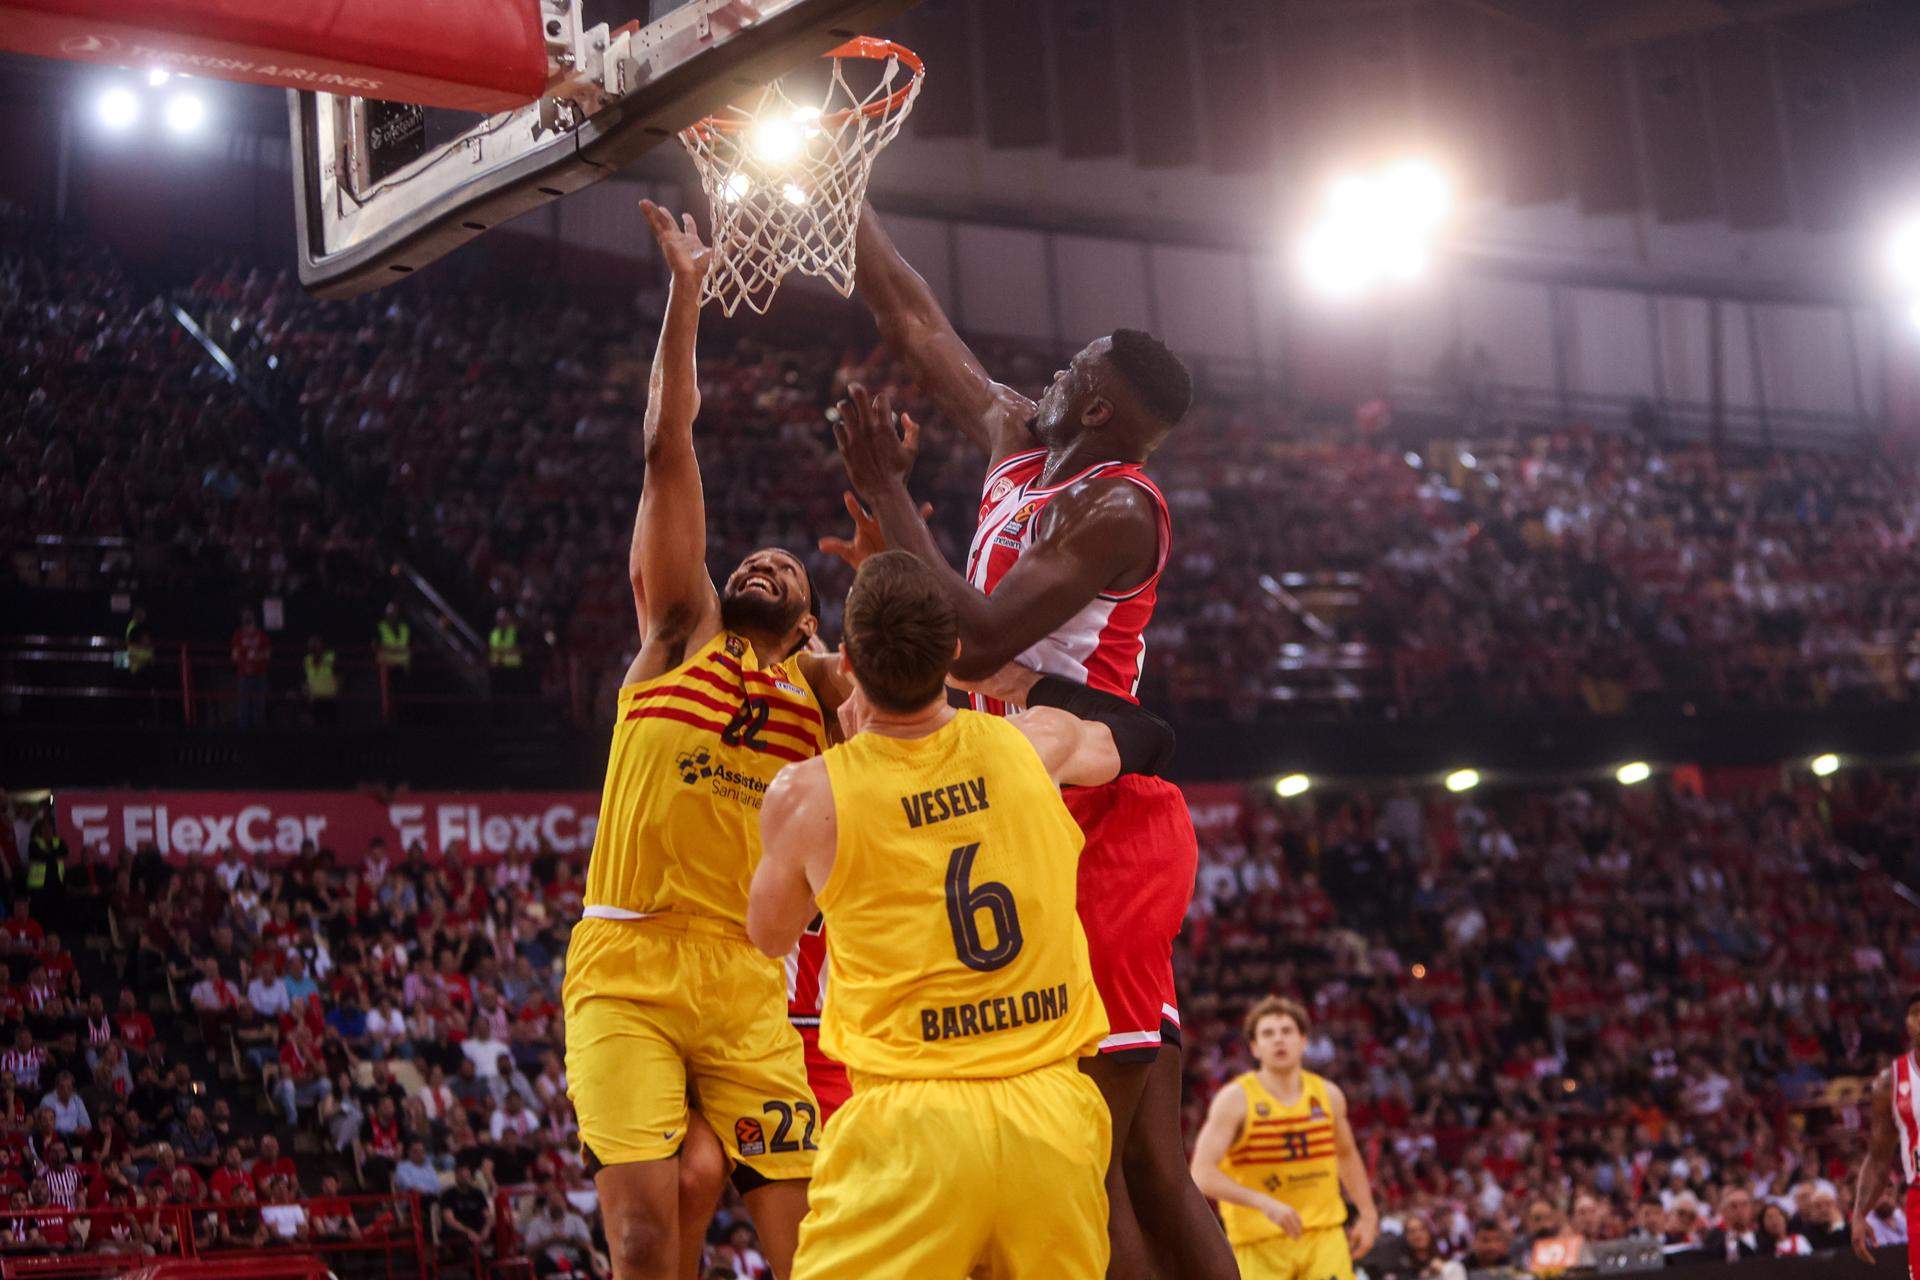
381	189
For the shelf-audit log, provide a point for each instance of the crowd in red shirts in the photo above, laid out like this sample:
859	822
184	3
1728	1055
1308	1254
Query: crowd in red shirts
1574	571
1608	1007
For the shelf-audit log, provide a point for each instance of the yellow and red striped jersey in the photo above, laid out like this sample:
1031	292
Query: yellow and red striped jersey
1288	1153
693	751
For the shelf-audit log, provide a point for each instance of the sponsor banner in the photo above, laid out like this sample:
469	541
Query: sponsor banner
185	825
1217	808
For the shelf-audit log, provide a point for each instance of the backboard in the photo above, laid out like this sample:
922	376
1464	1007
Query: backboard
382	188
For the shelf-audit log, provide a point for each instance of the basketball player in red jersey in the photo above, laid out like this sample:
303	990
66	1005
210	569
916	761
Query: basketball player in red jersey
1061	576
806	998
1896	1131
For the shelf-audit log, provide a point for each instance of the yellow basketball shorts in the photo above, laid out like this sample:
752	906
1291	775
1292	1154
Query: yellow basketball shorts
1319	1254
672	1009
927	1179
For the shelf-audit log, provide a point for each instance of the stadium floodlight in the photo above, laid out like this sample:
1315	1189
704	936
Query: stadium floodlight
1903	254
1294	784
1375	228
1463	779
1824	765
118	108
1633	773
185	113
157	77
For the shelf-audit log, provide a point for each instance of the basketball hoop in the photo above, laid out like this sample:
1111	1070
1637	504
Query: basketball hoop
785	180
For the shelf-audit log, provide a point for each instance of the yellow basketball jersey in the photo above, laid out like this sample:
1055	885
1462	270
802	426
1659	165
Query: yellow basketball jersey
693	752
1287	1152
955	946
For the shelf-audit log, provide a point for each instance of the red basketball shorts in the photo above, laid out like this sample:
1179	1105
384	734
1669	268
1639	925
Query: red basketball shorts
827	1078
1136	878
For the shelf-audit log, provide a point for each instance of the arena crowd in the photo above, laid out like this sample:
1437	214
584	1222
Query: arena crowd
1619	1013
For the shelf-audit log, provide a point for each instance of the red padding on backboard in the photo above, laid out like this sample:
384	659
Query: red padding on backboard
473	55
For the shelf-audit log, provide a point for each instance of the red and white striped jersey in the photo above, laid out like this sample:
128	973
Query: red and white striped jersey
807	976
1906	1114
1104	644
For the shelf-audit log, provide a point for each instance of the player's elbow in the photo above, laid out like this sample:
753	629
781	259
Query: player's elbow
762	933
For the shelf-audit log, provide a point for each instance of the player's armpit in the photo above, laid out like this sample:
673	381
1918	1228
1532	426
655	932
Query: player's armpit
797	834
831	684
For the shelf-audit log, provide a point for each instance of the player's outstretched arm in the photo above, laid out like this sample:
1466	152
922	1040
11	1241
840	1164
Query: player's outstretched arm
1084	736
797	833
1365	1228
667	564
1225	1114
1882	1146
1095	537
919	334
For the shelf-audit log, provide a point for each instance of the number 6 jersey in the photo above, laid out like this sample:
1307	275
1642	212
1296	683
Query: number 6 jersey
951	929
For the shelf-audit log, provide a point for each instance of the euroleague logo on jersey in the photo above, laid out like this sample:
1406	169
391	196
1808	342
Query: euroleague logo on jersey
1011	532
749	1137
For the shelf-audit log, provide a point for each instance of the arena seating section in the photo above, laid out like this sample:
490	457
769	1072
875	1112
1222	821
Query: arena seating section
1496	982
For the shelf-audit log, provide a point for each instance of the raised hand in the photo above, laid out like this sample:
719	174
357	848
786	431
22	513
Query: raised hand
687	256
867	539
876	452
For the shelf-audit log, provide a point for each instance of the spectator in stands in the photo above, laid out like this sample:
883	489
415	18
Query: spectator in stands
232	1173
24	1061
330	1217
62	1178
415	1172
286	1219
466	1217
69	1109
559	1240
1823	1225
1737	1233
303	1078
272	1163
195	1141
251	650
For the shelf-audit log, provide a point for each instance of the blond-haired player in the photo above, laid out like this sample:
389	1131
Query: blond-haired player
1276	1152
937	846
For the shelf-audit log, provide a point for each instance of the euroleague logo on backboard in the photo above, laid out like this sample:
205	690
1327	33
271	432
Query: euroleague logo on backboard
83	46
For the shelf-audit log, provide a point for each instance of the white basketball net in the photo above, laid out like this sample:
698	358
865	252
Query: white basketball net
785	180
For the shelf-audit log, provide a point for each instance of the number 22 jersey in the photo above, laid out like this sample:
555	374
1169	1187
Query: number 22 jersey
956	949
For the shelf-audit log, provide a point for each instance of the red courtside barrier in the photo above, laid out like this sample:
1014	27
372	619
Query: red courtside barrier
473	55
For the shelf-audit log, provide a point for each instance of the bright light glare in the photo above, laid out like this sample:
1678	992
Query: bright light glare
185	112
793	194
1913	314
1339	260
738	185
118	108
1633	773
1376	228
1463	779
1825	765
157	77
1903	255
1418	192
1293	784
776	141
